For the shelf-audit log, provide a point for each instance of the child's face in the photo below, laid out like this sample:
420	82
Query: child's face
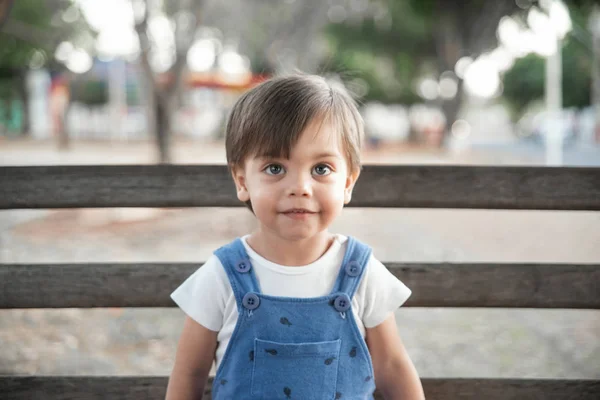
299	197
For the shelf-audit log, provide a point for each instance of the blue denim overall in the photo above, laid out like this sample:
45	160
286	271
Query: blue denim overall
294	348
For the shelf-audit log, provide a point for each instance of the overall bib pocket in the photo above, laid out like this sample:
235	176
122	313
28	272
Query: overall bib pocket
300	371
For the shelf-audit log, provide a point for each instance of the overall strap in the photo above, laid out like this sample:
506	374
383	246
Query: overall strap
239	270
353	267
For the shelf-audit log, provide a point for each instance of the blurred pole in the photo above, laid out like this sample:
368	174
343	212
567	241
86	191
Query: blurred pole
38	85
117	97
553	92
595	29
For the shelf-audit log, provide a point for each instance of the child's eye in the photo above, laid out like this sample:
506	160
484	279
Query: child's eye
322	170
274	169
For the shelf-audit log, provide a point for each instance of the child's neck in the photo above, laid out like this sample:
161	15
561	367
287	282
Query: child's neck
290	252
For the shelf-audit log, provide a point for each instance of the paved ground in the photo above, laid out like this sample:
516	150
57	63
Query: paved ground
442	342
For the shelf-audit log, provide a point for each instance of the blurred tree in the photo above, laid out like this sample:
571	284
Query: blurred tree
275	36
524	83
91	93
5	6
16	53
31	31
165	86
392	44
383	45
279	36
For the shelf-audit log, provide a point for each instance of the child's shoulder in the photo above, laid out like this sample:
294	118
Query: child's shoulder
210	272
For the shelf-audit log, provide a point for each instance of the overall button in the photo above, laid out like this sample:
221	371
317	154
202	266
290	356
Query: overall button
251	301
342	303
353	268
243	266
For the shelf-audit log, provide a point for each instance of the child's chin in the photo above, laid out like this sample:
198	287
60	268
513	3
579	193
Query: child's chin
298	234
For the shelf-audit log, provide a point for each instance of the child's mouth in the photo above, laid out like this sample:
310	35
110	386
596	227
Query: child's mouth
298	213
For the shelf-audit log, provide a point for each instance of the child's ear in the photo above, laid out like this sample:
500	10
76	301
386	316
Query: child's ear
239	177
350	181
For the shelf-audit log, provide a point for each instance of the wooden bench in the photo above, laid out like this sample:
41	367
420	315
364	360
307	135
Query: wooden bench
566	286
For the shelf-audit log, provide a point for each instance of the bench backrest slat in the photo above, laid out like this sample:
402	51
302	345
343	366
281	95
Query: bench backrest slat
153	388
433	285
541	188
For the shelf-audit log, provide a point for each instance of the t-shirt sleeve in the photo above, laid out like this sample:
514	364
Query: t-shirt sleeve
382	293
202	295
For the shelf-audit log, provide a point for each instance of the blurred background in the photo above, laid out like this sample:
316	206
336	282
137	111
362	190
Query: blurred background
481	82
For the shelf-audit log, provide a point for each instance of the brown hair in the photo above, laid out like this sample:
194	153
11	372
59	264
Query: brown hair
268	120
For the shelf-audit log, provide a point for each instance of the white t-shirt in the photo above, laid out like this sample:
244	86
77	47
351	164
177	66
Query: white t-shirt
206	296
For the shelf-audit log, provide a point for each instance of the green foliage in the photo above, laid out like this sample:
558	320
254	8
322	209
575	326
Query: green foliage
95	92
420	36
38	28
475	21
524	83
89	92
16	54
386	55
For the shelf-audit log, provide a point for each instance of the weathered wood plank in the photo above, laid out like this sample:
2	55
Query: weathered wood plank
433	285
489	187
140	387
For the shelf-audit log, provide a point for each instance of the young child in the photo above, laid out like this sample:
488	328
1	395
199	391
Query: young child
293	311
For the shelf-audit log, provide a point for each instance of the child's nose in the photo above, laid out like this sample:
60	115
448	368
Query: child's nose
300	186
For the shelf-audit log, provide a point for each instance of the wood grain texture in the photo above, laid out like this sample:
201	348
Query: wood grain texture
433	285
150	388
472	187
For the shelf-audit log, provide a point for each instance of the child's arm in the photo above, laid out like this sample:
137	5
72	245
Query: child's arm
395	375
194	358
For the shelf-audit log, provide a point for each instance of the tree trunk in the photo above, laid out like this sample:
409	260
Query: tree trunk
5	7
165	96
461	31
24	95
595	100
163	119
449	45
63	136
62	103
451	108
